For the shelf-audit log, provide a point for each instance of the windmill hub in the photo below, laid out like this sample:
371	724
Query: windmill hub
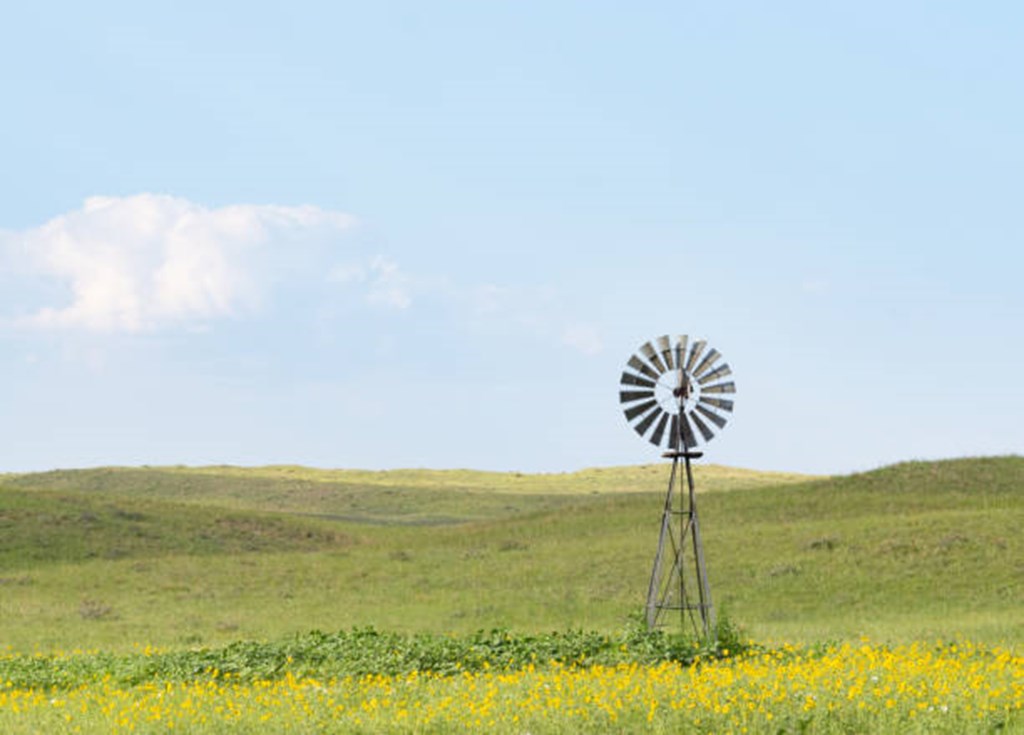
669	394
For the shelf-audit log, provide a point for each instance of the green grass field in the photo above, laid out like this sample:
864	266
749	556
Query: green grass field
177	557
146	599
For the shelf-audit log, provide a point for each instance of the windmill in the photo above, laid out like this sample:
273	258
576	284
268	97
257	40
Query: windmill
669	389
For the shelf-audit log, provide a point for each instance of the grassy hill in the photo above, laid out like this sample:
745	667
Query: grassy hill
45	527
115	557
394	496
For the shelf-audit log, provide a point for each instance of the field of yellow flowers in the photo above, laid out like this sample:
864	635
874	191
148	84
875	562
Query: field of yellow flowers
852	687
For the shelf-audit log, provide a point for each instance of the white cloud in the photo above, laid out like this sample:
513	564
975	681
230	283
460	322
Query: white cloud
142	262
152	262
386	284
389	285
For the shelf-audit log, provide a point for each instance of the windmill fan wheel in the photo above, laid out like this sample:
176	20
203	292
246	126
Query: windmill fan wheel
671	389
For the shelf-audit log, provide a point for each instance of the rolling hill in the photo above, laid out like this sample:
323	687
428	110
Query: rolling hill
115	557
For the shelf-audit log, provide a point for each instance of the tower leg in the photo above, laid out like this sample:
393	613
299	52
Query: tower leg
666	548
707	609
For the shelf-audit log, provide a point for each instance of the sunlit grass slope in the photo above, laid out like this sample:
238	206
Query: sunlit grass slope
393	496
176	556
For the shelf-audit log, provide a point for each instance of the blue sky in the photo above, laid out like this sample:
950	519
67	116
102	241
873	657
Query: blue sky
429	235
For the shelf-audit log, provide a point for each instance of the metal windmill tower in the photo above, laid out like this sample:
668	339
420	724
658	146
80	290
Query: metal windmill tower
666	391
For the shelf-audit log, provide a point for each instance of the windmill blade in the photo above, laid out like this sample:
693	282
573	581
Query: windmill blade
645	423
640	408
641	367
719	372
651	355
673	437
705	432
666	352
720	388
706	362
698	347
659	430
630	379
628	396
680	350
688	437
717	402
717	420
